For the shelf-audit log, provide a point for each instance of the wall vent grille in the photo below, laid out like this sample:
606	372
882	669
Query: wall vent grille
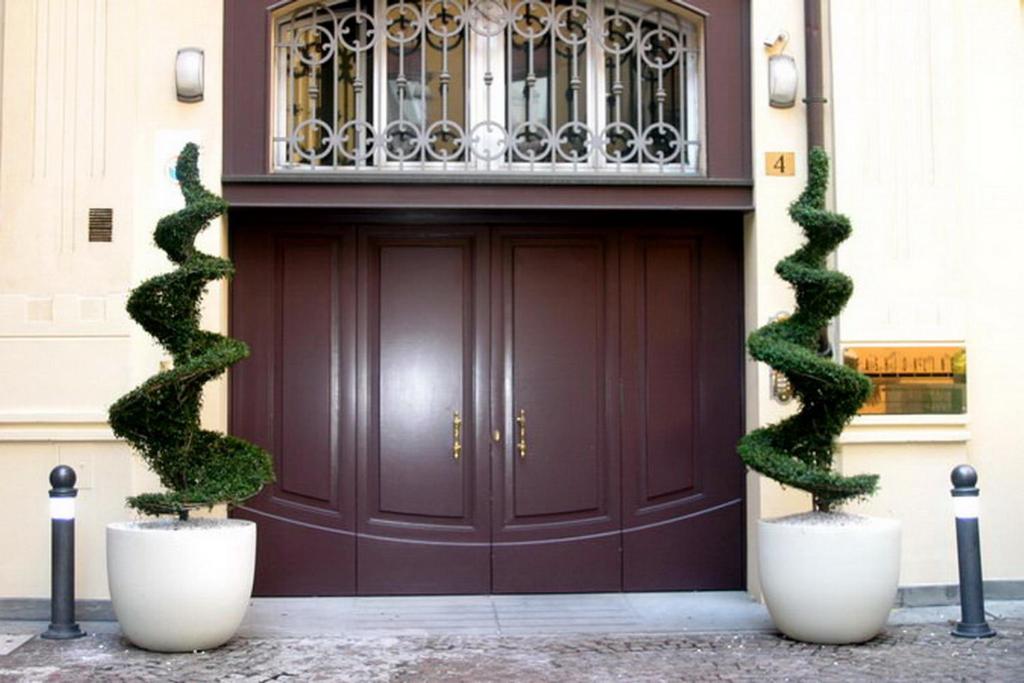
101	225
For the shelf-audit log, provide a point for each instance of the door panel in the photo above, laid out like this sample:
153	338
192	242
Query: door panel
557	363
682	354
422	353
665	320
307	459
292	298
556	321
424	526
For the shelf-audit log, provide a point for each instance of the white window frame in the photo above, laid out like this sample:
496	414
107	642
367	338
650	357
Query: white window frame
690	24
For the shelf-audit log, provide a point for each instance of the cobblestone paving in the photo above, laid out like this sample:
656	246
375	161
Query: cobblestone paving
911	653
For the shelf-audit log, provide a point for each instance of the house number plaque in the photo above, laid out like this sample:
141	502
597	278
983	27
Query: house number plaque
779	163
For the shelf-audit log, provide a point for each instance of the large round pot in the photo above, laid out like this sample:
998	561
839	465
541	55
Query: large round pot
180	586
828	577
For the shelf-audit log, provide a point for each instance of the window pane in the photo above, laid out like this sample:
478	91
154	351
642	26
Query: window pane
529	81
571	123
326	73
644	71
548	64
426	89
491	84
621	69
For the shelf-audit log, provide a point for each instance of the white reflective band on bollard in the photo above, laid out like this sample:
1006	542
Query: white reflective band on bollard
965	507
62	508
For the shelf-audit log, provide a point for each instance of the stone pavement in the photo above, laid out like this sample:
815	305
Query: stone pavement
914	652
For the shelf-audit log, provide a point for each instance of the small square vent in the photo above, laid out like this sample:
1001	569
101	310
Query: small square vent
101	225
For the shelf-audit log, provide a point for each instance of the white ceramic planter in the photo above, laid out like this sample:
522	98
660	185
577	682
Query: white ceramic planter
829	578
180	586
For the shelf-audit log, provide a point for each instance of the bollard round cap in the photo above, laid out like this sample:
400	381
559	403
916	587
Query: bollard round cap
964	477
63	478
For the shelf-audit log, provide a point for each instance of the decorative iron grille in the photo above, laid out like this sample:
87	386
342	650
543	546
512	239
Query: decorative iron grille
509	86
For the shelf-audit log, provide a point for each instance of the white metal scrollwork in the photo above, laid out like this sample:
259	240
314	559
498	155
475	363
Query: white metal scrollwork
482	86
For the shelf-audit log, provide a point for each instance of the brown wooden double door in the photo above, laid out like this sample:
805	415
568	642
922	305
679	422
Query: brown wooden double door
476	409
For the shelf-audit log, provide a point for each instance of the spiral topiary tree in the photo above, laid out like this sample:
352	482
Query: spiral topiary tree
160	418
798	451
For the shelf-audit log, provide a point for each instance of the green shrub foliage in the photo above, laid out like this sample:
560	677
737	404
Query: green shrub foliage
160	418
798	451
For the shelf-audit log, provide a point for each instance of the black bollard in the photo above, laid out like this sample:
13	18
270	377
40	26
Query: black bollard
62	554
972	622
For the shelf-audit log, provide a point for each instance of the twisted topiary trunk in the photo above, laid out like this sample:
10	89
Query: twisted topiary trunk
798	451
198	467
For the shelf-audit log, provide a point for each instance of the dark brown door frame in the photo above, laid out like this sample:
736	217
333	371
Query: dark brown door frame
320	225
248	179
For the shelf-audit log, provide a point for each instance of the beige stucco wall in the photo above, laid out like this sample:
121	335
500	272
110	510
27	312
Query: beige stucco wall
768	237
922	119
89	119
925	110
928	107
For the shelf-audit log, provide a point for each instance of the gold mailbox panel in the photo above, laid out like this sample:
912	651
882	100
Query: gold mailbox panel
912	380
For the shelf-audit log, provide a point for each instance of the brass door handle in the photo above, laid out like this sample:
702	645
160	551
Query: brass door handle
457	435
521	421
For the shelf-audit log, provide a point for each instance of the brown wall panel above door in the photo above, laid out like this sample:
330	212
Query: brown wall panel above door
248	66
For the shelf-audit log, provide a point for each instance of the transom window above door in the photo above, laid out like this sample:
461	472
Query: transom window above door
482	87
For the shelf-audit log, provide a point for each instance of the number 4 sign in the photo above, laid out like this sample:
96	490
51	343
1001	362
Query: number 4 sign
779	163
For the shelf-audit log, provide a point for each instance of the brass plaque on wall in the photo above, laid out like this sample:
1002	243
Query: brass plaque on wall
912	380
780	163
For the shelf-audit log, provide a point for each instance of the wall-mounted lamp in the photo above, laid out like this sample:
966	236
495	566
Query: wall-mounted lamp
188	74
782	75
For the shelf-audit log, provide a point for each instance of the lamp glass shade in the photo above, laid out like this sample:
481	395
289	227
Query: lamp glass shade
62	508
782	81
965	507
188	74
